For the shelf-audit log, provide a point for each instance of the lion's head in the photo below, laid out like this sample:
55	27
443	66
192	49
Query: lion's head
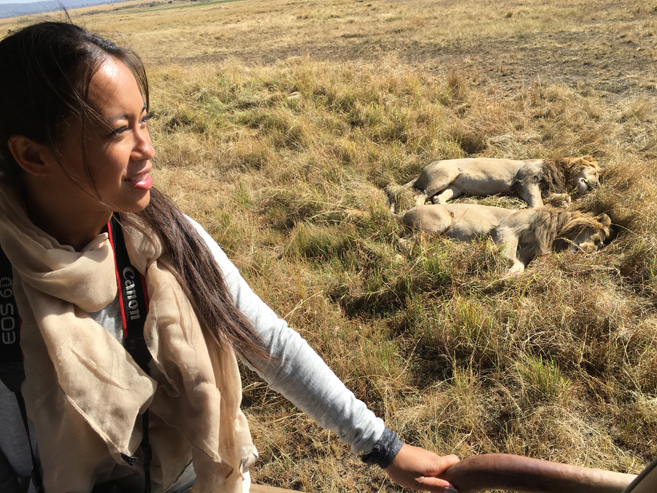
560	229
584	232
582	173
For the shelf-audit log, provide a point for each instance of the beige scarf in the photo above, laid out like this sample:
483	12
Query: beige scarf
83	391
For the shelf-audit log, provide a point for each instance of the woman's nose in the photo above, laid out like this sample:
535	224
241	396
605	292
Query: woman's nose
143	148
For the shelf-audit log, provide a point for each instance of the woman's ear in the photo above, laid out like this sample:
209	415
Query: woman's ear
34	158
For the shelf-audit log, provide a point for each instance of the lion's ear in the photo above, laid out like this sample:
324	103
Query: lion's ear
603	219
588	160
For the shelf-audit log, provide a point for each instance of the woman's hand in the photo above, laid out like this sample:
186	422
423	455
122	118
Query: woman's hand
418	469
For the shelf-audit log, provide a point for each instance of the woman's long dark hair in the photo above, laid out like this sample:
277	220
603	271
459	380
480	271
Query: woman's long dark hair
45	72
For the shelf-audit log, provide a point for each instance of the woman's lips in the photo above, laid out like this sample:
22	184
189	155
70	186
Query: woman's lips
143	181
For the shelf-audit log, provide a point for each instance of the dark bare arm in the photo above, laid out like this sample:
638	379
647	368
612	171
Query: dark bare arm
516	473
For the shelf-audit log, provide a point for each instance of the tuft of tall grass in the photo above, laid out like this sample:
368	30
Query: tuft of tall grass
541	382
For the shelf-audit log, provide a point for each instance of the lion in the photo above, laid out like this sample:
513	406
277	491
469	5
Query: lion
532	180
523	233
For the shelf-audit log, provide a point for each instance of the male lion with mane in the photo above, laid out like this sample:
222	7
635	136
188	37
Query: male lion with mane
523	234
532	180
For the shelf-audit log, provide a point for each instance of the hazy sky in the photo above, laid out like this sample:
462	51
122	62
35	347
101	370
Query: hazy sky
17	1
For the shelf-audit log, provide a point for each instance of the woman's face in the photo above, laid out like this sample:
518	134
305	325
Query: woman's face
118	152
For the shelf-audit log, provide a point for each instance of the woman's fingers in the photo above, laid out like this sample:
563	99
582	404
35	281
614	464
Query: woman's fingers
419	469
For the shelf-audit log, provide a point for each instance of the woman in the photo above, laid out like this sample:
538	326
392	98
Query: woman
74	150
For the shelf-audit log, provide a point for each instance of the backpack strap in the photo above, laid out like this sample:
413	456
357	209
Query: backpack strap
11	356
12	372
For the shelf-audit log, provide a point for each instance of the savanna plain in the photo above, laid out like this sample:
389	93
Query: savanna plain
279	123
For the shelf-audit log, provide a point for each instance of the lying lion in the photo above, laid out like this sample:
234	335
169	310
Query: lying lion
531	180
524	234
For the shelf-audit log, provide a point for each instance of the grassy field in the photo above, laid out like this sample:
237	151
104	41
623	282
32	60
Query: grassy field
278	125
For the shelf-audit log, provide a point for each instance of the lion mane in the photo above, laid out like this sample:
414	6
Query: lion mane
554	228
556	174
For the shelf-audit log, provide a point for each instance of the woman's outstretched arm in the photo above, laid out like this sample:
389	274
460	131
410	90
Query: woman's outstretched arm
303	377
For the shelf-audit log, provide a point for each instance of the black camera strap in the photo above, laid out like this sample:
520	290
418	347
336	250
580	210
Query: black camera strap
134	307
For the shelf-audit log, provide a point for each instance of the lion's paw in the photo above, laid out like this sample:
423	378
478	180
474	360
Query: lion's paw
559	200
404	245
517	269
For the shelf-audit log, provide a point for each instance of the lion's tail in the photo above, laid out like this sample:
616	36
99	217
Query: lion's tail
410	183
393	204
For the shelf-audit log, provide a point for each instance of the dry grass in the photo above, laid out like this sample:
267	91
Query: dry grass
278	124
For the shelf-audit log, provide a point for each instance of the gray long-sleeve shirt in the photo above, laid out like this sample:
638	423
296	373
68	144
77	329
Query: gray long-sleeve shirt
297	372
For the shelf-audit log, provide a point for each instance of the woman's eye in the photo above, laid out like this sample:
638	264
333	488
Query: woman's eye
118	131
125	128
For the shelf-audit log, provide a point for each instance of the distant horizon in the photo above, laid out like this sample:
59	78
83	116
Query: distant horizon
4	2
15	8
19	1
